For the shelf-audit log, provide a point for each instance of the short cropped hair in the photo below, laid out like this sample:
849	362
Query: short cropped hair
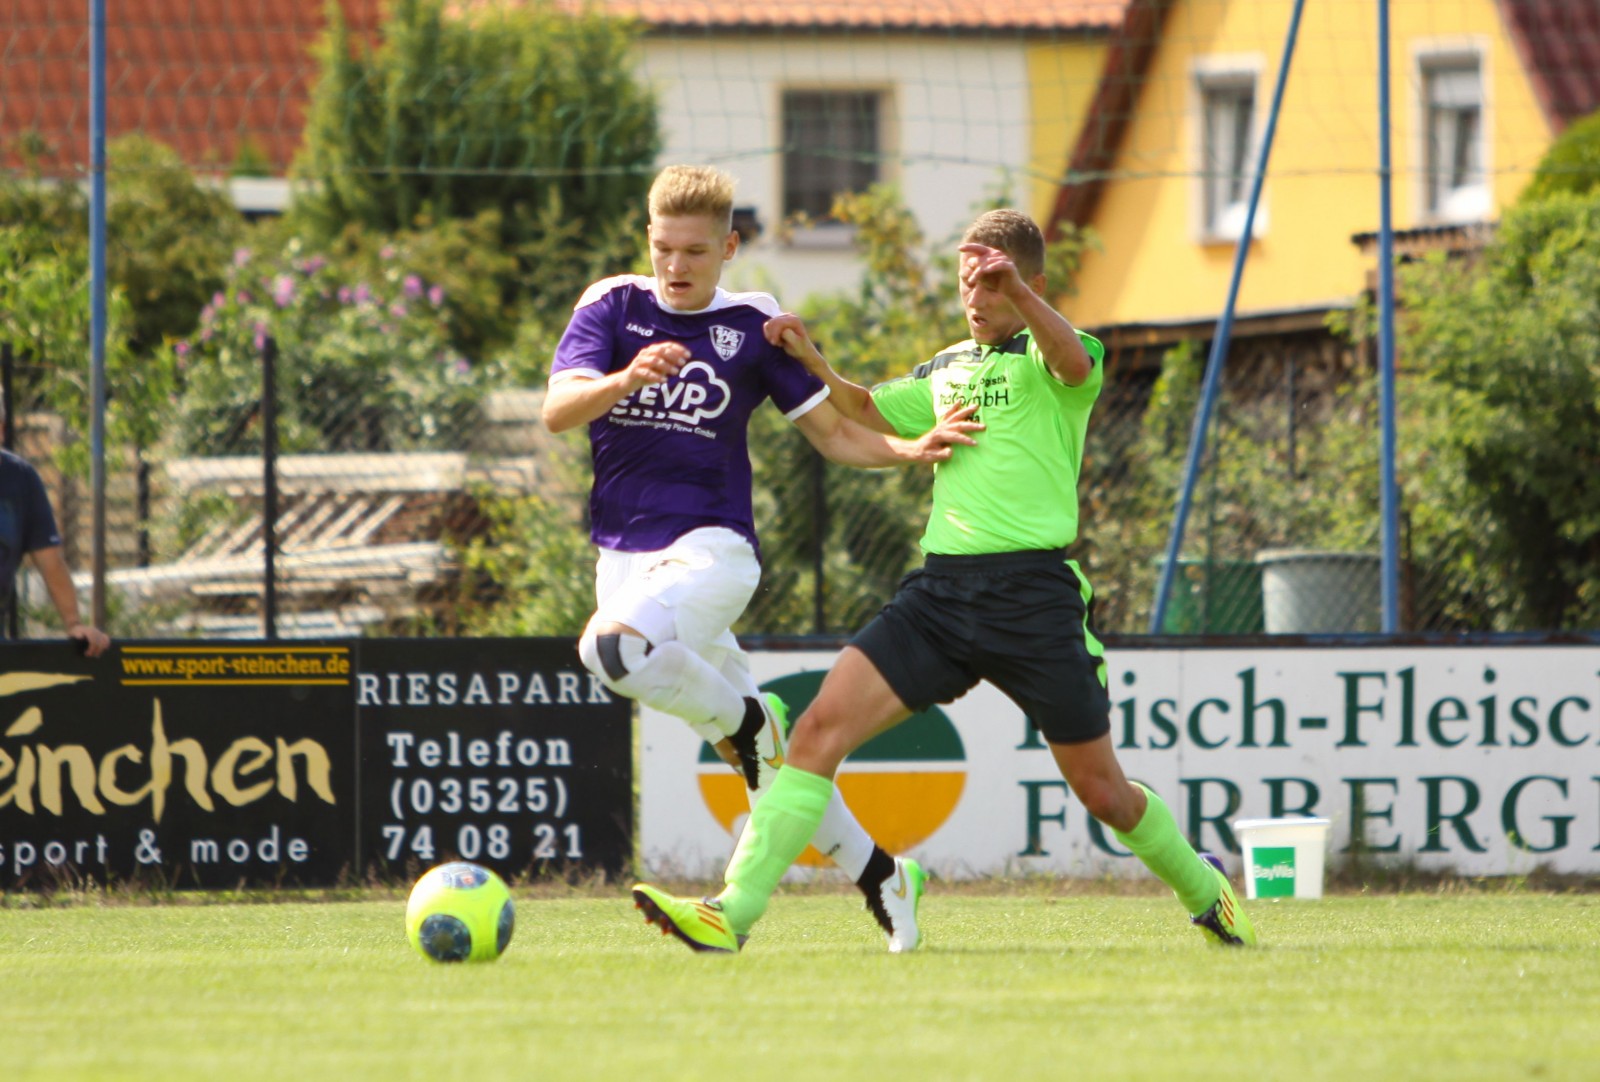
681	190
1015	234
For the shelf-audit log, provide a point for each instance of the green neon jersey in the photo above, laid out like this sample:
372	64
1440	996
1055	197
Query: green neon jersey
1018	488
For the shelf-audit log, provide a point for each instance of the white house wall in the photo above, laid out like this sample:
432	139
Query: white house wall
957	127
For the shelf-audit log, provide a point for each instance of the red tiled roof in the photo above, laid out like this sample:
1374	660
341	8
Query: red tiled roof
1558	42
204	76
210	77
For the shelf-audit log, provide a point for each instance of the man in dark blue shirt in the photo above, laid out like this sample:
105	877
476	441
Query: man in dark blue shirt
28	528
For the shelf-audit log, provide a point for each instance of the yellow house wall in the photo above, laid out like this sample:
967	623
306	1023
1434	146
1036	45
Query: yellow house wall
1062	78
1322	184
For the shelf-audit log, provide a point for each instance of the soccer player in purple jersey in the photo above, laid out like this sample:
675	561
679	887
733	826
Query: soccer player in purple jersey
666	372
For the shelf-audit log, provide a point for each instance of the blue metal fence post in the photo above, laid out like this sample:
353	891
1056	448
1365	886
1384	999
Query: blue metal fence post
97	303
1388	492
1219	344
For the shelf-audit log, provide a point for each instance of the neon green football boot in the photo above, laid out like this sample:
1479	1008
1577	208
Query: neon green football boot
699	923
1225	923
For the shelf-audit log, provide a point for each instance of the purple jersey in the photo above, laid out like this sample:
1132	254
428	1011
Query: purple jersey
674	457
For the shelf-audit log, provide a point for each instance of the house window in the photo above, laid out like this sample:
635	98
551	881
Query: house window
832	143
1453	121
1228	108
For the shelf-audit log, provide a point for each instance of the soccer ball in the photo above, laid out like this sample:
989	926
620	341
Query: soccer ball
460	913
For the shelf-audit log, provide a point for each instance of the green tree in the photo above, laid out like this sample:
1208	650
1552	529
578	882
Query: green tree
1506	480
168	239
1249	496
1572	164
530	111
44	316
168	236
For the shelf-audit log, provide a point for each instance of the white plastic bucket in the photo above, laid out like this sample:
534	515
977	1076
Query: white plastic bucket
1283	858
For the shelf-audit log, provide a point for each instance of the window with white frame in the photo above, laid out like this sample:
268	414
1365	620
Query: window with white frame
832	145
1455	184
1227	145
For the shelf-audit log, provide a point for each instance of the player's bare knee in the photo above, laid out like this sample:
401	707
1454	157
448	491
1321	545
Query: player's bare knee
1111	802
818	742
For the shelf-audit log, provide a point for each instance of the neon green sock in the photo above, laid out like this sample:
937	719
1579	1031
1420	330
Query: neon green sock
778	831
1159	843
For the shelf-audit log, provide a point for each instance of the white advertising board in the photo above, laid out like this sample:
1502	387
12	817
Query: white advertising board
1476	759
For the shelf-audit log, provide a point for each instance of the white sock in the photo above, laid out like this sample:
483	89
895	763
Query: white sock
842	838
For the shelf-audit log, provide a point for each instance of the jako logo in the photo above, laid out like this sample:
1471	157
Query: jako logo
902	785
643	332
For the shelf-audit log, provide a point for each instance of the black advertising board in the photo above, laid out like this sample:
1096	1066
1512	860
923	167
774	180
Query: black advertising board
187	764
218	765
506	752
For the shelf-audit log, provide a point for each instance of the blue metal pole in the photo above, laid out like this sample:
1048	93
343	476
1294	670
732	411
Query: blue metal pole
1388	493
97	300
1219	344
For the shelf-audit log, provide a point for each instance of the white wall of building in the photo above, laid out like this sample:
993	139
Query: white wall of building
958	128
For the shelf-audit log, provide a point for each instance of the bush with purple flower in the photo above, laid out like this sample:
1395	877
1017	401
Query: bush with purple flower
363	365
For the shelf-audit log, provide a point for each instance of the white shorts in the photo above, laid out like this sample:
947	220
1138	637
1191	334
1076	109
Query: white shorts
692	591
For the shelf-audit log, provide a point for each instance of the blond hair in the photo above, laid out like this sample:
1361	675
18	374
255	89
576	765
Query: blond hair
1015	234
681	190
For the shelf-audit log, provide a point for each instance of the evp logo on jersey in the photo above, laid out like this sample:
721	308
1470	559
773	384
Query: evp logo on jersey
693	396
726	341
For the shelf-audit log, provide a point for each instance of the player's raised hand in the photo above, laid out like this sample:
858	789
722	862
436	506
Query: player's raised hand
788	331
954	430
785	325
656	363
989	267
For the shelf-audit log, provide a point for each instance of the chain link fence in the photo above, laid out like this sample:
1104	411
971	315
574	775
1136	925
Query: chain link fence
386	525
406	211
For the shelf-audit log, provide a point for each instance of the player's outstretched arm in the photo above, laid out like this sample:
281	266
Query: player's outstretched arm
1056	338
841	440
788	331
580	399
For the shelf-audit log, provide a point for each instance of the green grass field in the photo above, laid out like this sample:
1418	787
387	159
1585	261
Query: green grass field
1031	984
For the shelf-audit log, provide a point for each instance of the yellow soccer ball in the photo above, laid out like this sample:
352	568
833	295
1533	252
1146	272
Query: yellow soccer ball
460	912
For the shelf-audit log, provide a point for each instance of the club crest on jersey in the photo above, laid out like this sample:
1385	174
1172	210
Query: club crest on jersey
726	341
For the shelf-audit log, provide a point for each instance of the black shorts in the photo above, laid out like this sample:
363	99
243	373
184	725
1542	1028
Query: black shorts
1016	619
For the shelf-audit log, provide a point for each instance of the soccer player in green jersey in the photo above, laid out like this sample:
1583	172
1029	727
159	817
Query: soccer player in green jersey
997	599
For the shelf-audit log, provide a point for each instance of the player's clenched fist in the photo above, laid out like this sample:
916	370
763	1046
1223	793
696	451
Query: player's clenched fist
788	332
990	267
656	363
